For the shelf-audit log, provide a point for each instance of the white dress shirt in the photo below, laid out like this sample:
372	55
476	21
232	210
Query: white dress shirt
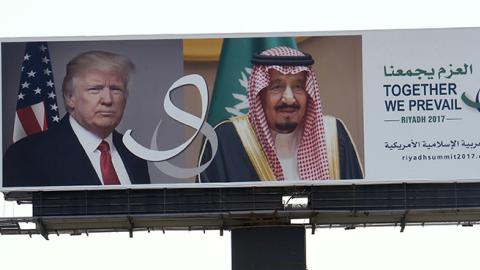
287	149
90	143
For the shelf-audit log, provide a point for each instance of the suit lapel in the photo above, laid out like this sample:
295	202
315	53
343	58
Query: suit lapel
125	155
136	167
78	168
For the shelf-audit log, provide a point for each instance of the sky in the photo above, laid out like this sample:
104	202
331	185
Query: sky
429	247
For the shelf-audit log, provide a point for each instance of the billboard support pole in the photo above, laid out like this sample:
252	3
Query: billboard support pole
275	247
131	226
403	221
41	229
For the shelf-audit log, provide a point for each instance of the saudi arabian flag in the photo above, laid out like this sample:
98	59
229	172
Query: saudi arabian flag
230	90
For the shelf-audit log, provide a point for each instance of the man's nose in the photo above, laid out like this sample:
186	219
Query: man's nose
106	95
288	96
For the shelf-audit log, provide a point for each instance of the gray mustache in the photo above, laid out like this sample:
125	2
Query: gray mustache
286	106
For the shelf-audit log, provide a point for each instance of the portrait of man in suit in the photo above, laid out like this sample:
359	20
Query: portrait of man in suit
84	148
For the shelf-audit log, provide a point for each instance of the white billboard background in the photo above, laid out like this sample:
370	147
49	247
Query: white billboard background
373	248
435	134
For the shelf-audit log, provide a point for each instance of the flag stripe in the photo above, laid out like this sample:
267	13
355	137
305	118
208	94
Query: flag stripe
28	120
18	131
39	111
45	123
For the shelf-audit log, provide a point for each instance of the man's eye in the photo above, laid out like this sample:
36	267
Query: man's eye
94	90
299	87
276	88
117	91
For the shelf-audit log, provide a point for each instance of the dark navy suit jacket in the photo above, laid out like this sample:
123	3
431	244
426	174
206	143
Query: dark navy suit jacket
56	158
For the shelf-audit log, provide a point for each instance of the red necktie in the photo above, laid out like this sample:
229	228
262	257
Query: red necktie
109	175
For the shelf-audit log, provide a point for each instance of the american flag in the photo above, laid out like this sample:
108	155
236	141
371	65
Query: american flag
36	101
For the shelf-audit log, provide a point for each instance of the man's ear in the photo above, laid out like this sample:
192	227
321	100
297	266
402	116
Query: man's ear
70	101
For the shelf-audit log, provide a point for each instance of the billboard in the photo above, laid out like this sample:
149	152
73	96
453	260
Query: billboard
422	104
283	109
